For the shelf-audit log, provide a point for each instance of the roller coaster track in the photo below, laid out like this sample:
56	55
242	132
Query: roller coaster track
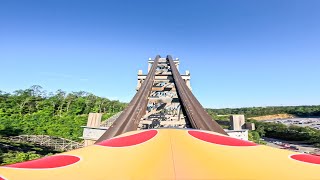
56	143
129	120
196	114
164	100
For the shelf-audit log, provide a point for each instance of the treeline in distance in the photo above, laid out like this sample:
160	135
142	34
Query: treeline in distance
34	111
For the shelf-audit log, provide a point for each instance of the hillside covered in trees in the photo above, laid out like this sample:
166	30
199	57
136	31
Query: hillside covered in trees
300	111
273	130
34	111
289	133
37	112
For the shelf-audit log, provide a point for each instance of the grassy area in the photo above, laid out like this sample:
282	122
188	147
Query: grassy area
272	117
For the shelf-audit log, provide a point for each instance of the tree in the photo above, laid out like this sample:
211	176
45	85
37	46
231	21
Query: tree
32	111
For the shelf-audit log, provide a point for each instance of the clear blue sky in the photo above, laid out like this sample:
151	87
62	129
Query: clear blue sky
239	52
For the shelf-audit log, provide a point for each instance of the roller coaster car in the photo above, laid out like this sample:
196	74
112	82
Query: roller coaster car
169	154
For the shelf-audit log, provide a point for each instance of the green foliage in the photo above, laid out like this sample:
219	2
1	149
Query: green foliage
255	137
10	158
107	115
301	111
289	133
273	130
33	111
13	152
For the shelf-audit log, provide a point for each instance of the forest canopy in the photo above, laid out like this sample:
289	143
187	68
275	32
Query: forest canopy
300	111
35	111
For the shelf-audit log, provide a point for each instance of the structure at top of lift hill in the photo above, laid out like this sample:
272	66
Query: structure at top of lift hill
163	100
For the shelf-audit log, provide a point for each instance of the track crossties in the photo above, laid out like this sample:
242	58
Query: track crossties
163	100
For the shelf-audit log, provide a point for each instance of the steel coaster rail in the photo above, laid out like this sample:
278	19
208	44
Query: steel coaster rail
129	119
198	117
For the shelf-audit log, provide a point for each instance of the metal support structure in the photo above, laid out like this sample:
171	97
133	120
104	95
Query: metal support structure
56	143
164	100
129	119
197	115
164	104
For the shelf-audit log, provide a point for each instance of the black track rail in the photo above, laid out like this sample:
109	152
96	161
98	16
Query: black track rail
196	114
130	118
